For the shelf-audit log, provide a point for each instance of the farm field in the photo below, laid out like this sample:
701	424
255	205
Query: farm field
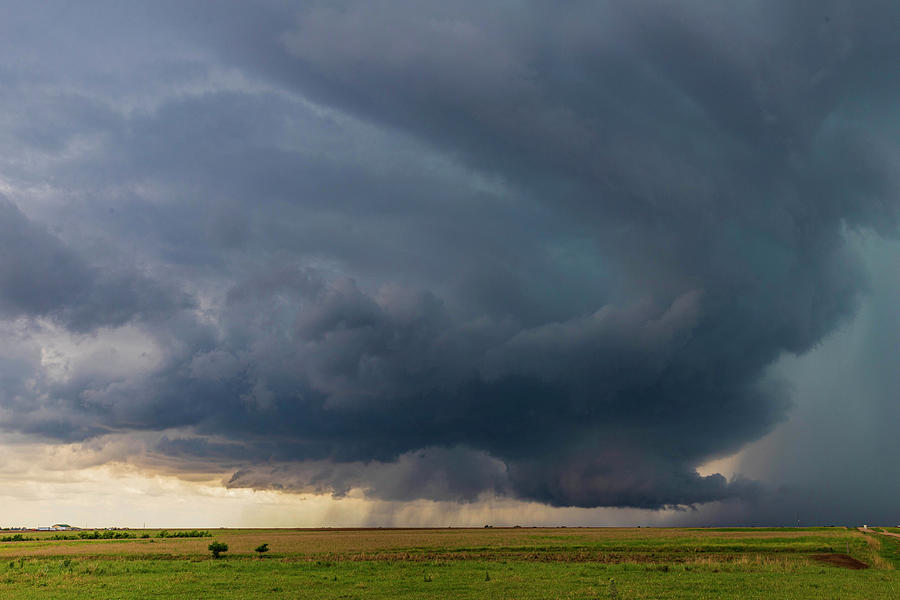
520	563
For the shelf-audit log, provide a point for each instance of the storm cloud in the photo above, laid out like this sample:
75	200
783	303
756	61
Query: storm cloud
438	250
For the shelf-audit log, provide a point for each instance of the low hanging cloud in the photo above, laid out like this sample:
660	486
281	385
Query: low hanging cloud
445	251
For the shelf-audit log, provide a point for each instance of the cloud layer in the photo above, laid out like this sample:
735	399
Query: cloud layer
436	251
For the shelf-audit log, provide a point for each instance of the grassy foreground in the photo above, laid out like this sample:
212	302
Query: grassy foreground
445	563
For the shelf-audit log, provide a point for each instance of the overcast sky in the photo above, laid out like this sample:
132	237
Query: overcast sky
388	263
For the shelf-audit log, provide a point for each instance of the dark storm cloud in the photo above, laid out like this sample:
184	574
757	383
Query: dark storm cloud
41	277
445	249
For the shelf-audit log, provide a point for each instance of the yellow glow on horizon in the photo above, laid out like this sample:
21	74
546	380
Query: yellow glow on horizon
123	496
113	483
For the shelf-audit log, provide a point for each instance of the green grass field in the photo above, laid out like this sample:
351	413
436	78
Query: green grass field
524	563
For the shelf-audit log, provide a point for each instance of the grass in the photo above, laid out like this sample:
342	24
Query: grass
888	549
498	563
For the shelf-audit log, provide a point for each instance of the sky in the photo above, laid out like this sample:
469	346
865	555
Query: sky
424	263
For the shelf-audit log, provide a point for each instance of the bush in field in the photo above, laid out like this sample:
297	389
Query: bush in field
183	534
261	549
105	535
217	548
191	534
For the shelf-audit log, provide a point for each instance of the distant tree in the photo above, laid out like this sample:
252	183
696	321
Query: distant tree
217	548
261	549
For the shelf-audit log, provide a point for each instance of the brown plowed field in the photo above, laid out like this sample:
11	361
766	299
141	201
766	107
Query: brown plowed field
840	560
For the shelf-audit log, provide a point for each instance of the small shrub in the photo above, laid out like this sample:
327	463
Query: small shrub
613	590
217	548
261	549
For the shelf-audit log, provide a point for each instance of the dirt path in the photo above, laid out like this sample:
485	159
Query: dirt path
888	533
